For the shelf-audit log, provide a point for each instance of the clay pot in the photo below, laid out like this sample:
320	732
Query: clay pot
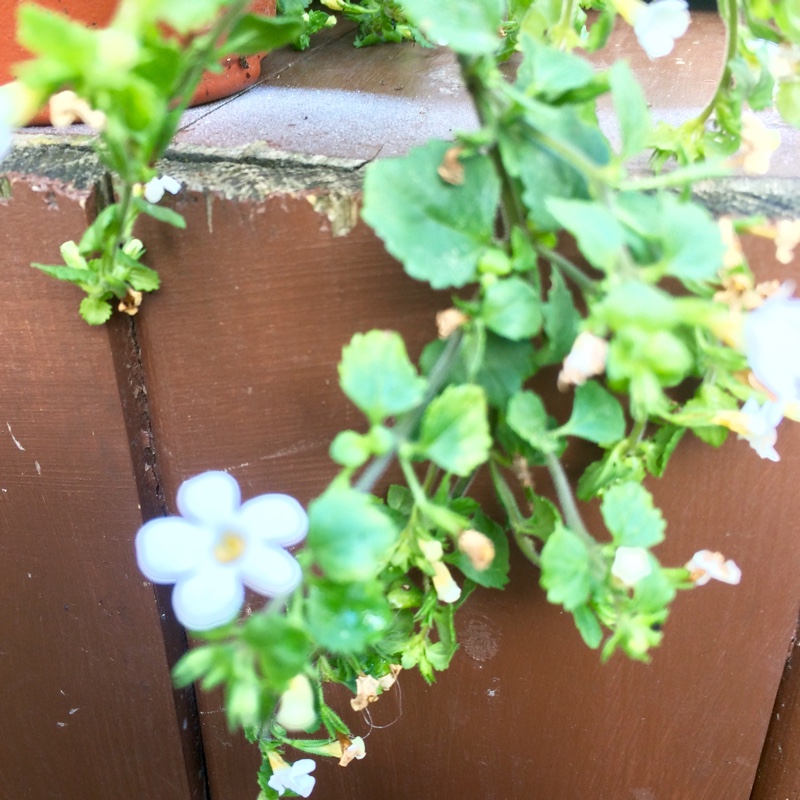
237	73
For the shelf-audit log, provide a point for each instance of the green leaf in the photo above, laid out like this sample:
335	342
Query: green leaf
377	375
787	101
161	213
597	415
466	26
511	308
193	665
495	576
48	33
505	366
692	243
561	320
631	108
588	626
143	279
614	467
661	447
190	15
630	516
528	418
347	618
68	274
282	647
94	310
566	569
256	34
350	449
600	237
437	230
349	536
455	429
548	72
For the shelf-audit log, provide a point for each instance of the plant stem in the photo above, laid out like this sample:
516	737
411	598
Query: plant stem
567	269
375	470
729	11
566	499
515	517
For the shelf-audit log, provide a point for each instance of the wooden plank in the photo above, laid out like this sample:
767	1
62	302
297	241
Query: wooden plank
88	709
239	351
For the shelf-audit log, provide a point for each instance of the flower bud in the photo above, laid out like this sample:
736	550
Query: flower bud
296	709
447	590
477	547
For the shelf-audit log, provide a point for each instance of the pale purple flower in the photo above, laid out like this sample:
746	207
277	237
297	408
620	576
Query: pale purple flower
772	344
631	564
294	778
154	189
219	546
658	24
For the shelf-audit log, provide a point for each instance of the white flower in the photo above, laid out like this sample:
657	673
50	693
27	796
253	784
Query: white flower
357	749
757	424
18	104
296	709
447	590
706	565
219	546
631	564
294	778
658	24
67	107
787	237
154	189
477	547
772	344
586	358
758	145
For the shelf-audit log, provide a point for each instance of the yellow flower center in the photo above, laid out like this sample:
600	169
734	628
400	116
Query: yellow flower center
229	547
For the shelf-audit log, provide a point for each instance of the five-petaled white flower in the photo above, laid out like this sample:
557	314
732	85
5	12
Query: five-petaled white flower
658	24
154	188
219	546
294	778
706	564
757	424
772	344
631	564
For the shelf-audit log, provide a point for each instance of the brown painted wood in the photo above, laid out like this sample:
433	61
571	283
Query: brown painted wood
88	710
239	351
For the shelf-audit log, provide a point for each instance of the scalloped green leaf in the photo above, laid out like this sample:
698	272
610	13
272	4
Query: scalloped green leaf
377	375
436	229
470	27
455	429
631	517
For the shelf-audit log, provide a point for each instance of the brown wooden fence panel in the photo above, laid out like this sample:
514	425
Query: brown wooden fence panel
239	352
88	710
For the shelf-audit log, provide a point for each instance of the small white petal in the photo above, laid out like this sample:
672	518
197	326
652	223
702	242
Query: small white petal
295	778
659	23
207	599
276	518
211	498
631	564
153	190
269	570
170	184
170	547
772	344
